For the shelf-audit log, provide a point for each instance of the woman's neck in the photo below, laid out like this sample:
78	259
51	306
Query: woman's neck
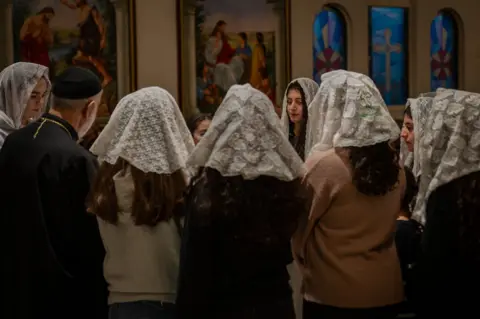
297	128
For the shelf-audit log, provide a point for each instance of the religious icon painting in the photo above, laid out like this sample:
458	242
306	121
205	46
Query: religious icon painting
61	33
329	42
236	42
444	52
388	52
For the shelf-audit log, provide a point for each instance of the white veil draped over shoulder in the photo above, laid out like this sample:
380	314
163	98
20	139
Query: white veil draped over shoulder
450	145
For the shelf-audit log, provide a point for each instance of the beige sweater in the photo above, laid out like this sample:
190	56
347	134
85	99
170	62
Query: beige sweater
141	262
345	247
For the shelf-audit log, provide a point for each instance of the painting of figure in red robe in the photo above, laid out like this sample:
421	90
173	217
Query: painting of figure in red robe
235	44
61	33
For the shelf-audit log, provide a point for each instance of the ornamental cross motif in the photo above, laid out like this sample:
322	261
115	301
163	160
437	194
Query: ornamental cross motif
328	59
388	48
441	61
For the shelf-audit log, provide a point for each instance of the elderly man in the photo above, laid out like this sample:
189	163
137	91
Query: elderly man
51	248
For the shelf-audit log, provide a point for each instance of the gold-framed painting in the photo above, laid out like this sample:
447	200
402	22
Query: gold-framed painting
227	42
61	33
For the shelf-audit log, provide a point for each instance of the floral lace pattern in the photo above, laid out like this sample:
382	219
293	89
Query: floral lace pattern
420	108
348	110
245	139
309	88
146	129
450	145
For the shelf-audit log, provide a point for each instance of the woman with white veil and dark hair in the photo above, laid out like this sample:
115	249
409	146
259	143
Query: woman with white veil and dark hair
137	197
448	200
298	96
414	124
242	209
345	248
24	88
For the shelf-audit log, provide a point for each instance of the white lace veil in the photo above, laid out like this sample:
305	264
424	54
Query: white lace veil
309	88
450	144
146	129
420	108
17	82
348	110
245	139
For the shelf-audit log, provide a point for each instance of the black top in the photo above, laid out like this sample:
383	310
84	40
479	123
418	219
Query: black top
448	282
52	252
408	239
225	266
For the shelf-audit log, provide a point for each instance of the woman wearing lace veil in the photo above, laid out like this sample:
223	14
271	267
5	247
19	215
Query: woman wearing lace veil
137	197
414	123
449	197
242	211
345	248
23	88
298	96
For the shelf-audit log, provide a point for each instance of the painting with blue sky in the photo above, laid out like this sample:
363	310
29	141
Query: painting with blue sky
388	52
60	33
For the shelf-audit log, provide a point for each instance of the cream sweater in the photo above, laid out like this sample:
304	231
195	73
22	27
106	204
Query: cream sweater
141	262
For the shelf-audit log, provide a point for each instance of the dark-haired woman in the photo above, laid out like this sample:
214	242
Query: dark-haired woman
298	96
137	197
243	208
414	123
346	246
449	191
198	126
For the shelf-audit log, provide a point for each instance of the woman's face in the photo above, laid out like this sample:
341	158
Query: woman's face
294	106
35	102
407	132
201	129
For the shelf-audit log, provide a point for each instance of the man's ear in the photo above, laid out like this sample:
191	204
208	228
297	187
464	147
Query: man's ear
88	108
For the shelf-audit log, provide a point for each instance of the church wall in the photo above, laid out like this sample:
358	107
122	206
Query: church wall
157	48
157	52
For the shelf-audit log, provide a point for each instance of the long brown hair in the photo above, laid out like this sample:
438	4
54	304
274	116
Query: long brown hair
299	146
154	200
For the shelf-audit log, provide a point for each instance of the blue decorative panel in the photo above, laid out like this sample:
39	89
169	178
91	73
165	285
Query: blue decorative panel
329	42
443	52
388	53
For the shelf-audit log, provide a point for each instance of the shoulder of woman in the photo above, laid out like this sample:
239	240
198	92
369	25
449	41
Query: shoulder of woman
323	160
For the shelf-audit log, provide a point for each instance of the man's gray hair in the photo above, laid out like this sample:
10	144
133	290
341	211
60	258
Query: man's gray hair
69	104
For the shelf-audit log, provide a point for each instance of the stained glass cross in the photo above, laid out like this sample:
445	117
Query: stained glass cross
388	48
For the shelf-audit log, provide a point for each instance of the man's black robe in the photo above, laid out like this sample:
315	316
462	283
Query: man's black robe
51	249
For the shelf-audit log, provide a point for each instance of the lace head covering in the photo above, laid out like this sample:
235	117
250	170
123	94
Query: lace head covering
245	139
309	88
17	82
450	144
146	129
420	108
348	110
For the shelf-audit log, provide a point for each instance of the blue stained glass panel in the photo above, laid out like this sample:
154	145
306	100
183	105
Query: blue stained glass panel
329	52
443	52
388	53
